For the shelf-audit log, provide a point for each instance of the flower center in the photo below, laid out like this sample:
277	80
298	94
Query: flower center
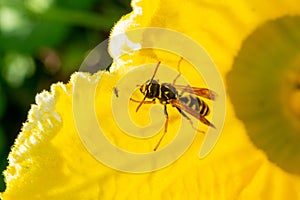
290	92
294	101
264	87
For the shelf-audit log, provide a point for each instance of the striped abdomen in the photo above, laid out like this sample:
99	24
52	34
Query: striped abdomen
195	103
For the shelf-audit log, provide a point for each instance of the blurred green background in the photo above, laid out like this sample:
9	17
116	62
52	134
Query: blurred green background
43	42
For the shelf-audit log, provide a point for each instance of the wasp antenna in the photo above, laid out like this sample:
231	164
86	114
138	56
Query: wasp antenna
155	71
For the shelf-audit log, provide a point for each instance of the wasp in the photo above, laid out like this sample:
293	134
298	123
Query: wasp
185	99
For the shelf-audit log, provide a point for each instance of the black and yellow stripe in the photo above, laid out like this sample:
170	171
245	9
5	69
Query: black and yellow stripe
195	103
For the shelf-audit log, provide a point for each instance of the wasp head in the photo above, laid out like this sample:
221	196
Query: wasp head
149	88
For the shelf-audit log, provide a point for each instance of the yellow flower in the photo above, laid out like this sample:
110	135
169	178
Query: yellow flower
50	161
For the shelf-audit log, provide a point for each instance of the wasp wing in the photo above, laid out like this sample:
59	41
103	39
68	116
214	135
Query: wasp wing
194	113
202	92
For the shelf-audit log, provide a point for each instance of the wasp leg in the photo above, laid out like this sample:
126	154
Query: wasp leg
142	102
178	66
189	119
166	127
146	102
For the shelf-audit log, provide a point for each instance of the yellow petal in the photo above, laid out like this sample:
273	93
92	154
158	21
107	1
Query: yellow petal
42	159
49	161
221	29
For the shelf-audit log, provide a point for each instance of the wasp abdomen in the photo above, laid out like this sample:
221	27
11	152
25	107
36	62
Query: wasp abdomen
195	103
